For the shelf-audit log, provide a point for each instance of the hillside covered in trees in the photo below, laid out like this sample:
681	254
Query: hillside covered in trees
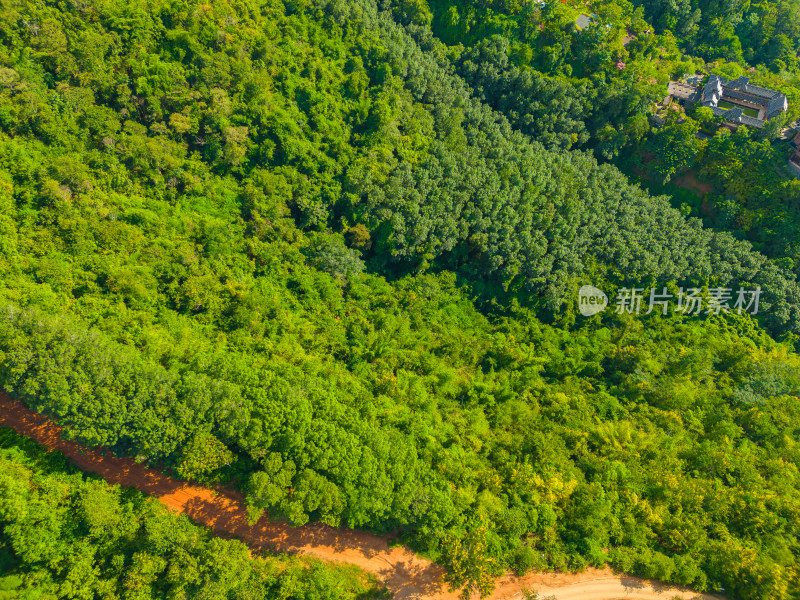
594	87
64	535
329	252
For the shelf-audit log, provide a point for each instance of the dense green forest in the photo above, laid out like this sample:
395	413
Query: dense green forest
593	87
758	32
329	251
65	535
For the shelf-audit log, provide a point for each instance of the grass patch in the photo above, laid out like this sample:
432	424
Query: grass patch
750	112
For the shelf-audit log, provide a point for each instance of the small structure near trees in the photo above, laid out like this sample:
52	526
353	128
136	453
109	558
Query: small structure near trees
737	101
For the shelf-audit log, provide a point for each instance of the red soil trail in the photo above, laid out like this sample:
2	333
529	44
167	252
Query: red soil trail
405	574
690	181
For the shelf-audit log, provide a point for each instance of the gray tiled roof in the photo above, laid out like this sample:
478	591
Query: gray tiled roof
741	95
736	115
717	89
776	106
740	83
763	92
745	120
682	91
713	90
743	83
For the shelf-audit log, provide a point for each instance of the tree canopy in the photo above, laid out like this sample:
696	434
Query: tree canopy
320	249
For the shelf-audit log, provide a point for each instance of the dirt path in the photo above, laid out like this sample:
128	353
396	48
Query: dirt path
690	181
407	575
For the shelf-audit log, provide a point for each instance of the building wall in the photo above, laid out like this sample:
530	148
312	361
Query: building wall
794	168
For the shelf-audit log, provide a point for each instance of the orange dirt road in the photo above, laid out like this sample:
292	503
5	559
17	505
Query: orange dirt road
405	574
